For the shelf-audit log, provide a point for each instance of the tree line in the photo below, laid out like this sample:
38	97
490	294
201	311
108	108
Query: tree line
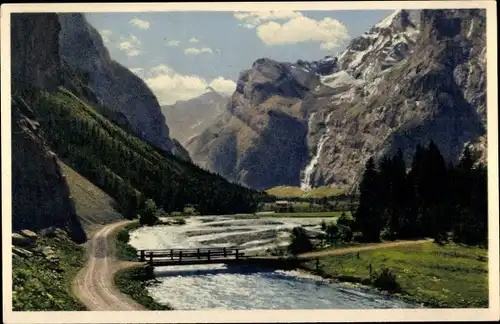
431	198
128	169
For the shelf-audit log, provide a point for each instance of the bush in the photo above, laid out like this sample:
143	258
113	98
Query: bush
191	211
148	215
386	280
300	242
175	214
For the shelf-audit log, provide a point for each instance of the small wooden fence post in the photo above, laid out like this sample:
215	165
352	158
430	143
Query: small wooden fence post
237	254
317	263
208	254
171	254
225	254
151	258
180	256
370	268
358	255
198	253
142	256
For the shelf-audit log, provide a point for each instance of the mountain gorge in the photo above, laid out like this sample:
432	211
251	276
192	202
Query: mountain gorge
188	118
415	76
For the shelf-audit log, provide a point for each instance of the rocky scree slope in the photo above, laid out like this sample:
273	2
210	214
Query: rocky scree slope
415	76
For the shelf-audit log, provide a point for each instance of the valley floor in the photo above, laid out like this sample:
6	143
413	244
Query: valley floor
451	276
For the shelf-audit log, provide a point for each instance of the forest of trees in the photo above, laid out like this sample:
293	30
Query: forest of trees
127	168
429	199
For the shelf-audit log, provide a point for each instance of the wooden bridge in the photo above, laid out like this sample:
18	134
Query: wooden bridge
166	257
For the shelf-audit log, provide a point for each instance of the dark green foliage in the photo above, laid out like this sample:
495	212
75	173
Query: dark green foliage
432	200
127	168
300	242
42	285
386	280
332	233
148	215
124	251
368	217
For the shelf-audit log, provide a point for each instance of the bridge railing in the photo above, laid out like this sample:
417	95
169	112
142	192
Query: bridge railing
189	254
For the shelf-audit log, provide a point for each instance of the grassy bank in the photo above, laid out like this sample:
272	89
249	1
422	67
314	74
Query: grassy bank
125	251
42	280
134	282
452	275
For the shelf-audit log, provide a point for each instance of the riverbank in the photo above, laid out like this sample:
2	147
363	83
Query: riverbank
135	281
42	274
447	276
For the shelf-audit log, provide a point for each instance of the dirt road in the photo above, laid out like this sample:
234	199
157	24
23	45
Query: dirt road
362	248
94	283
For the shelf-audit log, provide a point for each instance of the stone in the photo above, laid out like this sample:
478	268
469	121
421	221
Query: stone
20	240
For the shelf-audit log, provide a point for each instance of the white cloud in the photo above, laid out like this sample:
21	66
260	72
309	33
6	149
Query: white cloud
330	32
142	24
254	18
137	71
106	35
196	51
170	86
173	43
130	45
193	40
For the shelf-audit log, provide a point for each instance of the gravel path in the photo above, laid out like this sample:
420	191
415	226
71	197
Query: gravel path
94	284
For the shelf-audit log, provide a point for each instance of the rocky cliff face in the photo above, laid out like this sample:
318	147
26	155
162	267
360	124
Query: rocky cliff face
115	87
415	76
189	118
40	195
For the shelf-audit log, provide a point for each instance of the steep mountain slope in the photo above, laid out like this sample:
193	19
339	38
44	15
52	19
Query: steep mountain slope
40	195
415	76
113	85
263	126
191	117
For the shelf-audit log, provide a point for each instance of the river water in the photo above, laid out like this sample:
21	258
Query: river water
221	287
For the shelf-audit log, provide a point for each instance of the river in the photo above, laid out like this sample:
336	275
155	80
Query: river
221	287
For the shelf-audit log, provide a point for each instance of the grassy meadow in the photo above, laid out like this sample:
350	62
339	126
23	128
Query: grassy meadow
448	275
319	192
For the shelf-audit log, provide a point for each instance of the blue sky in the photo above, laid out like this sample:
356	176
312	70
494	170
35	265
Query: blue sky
180	53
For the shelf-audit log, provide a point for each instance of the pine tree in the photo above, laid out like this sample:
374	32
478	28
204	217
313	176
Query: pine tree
368	218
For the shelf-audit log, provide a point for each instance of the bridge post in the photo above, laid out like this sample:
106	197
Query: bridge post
198	254
142	256
237	254
208	255
225	255
180	256
171	254
151	258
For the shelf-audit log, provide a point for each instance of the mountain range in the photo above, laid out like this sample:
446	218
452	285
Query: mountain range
416	76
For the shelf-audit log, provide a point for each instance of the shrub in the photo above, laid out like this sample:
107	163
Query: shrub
300	242
386	280
148	215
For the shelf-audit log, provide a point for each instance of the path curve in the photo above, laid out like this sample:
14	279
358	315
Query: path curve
362	248
94	284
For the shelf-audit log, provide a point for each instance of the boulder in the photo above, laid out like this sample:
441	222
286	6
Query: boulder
20	240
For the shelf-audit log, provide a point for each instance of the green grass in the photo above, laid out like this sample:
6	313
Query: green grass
39	285
438	276
134	282
319	192
308	214
125	251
